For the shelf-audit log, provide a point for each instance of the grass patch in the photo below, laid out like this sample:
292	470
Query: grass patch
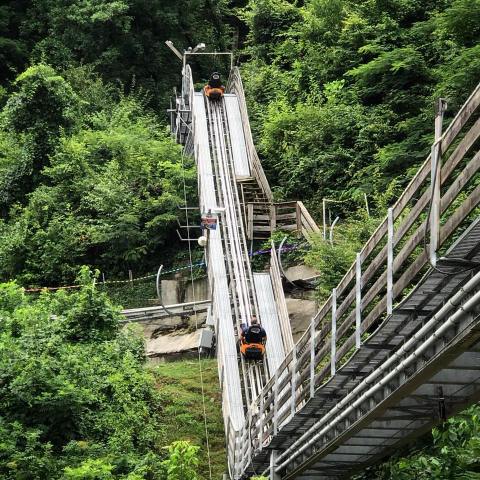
179	384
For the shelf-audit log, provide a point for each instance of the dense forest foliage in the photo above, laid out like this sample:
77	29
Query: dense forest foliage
90	176
341	97
77	402
342	92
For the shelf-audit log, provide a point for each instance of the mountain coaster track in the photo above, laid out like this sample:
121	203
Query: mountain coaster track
396	342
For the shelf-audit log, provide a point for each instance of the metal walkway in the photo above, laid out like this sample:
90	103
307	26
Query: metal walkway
394	349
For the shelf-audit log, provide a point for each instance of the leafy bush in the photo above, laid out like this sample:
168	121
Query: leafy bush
89	405
333	260
182	462
342	96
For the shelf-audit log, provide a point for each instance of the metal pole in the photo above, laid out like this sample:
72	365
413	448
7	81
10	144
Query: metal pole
358	300
390	262
273	464
331	229
294	380
334	332
435	181
366	204
312	357
324	208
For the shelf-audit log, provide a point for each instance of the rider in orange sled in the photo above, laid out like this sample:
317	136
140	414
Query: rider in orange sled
214	89
253	340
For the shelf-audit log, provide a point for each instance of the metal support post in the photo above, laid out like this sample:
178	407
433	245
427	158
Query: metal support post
324	213
312	357
436	181
294	380
333	352
366	204
358	301
275	404
261	423
390	262
331	230
273	465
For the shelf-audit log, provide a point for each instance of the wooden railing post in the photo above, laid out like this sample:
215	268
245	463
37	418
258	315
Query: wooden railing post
312	357
273	218
298	212
390	261
275	404
294	381
261	422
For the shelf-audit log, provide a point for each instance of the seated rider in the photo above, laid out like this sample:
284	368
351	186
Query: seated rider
254	333
215	81
214	88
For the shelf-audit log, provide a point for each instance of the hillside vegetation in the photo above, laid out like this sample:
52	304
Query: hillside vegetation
78	402
342	92
341	98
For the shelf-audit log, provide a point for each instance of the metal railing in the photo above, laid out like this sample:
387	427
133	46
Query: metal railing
389	264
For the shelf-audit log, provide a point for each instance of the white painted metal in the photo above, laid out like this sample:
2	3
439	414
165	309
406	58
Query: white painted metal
312	357
275	405
390	261
330	238
269	319
220	149
333	339
293	374
226	344
358	301
239	149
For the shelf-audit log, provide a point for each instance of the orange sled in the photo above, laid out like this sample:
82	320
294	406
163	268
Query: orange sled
252	351
214	93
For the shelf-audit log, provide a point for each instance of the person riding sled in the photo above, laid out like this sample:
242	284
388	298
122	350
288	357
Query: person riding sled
214	89
253	340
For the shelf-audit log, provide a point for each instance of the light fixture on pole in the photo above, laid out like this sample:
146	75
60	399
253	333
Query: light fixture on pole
170	45
200	46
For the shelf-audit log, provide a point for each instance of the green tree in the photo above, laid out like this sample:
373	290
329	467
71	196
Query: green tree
86	408
182	461
43	106
109	197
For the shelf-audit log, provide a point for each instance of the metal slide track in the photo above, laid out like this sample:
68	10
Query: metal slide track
368	374
215	134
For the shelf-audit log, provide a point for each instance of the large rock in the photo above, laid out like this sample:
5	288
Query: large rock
172	344
300	313
300	272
